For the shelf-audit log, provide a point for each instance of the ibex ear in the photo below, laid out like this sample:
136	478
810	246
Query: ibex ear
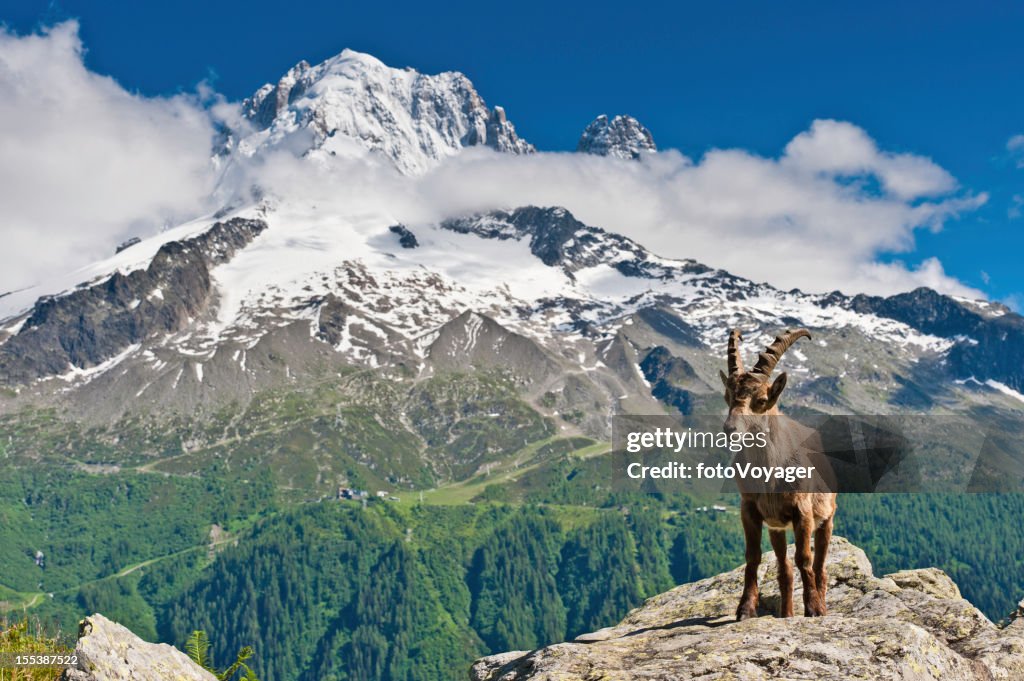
776	388
725	379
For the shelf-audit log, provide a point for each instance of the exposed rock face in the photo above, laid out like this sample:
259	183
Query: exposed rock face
990	341
558	239
621	137
82	329
477	341
911	625
501	134
665	373
127	244
109	652
405	237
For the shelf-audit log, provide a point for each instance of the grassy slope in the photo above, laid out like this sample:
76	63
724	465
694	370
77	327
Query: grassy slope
26	638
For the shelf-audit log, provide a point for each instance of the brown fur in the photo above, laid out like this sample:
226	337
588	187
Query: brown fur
753	403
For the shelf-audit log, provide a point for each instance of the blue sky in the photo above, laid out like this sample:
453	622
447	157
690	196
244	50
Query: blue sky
937	79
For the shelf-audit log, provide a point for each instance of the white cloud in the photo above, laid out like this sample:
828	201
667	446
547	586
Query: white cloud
1016	206
85	163
836	148
1015	146
796	221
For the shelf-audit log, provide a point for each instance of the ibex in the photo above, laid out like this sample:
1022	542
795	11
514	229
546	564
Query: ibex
753	404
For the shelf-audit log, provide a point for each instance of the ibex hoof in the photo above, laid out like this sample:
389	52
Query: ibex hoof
746	611
814	610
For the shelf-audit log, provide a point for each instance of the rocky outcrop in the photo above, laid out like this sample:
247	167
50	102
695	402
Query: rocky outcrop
665	373
107	651
911	625
501	134
94	323
128	243
621	137
558	239
405	237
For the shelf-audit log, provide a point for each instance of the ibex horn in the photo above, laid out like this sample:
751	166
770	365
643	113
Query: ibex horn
767	360
735	359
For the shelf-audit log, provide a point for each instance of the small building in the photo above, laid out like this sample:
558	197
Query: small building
127	244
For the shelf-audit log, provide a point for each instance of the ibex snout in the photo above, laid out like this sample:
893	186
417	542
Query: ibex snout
733	422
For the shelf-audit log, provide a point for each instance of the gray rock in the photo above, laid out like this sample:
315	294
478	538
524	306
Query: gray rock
911	625
621	137
127	244
501	134
93	323
107	651
405	237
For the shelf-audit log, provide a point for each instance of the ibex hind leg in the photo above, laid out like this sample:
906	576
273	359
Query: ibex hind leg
802	529
822	538
752	522
785	570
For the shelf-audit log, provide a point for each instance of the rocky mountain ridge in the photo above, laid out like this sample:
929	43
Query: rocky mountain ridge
620	137
378	297
912	625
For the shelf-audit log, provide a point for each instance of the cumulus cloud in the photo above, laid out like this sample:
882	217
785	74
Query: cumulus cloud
836	148
84	163
807	219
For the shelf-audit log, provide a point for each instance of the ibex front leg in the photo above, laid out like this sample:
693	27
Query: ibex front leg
752	522
822	538
803	524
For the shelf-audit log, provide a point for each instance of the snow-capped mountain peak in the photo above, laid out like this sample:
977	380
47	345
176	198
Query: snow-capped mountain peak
622	137
282	285
353	103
